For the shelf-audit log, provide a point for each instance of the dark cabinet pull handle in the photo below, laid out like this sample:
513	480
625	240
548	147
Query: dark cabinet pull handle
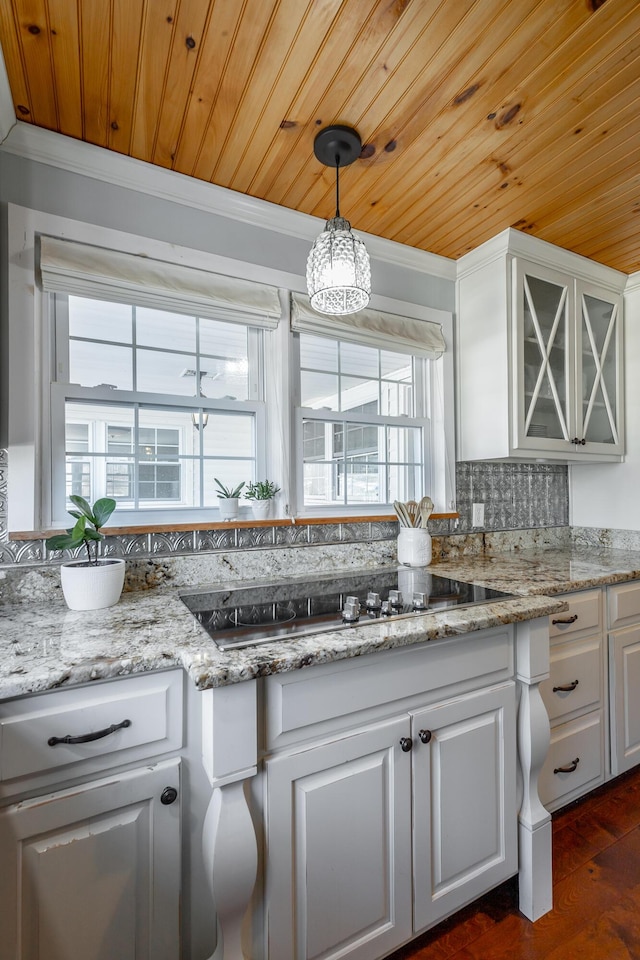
88	737
406	743
425	735
565	620
578	442
168	795
569	768
566	687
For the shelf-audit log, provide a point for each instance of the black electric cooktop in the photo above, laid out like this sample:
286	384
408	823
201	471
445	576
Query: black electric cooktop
260	613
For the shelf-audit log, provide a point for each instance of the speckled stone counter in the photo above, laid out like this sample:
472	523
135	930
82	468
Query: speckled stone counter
46	646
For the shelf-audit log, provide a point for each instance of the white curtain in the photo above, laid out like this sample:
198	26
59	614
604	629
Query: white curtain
387	331
83	270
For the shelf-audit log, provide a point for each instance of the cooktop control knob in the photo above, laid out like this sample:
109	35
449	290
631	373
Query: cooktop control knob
395	598
351	611
373	601
420	601
385	608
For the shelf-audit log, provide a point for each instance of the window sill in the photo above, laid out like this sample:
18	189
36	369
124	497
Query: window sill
226	525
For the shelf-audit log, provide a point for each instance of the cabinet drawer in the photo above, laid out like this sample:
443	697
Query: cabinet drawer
575	679
623	603
578	740
146	710
316	702
583	614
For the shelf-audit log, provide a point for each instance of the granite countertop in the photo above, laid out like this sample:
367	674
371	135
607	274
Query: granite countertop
45	646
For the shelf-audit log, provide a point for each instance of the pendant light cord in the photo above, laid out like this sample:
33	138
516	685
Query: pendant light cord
337	184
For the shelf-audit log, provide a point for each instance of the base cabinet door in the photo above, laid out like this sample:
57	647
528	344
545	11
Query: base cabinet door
464	801
93	872
624	681
339	848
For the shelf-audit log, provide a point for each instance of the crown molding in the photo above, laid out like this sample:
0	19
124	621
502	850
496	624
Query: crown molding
45	146
633	282
7	110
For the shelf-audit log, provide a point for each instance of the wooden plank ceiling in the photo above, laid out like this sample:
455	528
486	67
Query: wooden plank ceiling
475	115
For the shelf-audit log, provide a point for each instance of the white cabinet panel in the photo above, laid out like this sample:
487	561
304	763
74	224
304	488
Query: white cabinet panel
463	801
624	680
338	835
93	872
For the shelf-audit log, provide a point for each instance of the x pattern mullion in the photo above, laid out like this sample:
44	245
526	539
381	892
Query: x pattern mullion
545	367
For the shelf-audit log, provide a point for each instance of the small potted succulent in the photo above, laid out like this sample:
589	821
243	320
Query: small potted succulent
228	499
261	494
96	582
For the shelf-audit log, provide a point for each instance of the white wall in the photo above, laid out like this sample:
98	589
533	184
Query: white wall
608	495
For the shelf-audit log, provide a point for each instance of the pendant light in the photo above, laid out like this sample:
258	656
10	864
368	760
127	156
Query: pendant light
338	270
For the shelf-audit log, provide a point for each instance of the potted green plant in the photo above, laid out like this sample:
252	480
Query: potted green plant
96	582
228	499
261	494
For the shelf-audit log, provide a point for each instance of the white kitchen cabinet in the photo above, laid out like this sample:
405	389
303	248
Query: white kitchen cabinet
90	834
539	354
339	847
464	830
624	675
376	833
93	871
574	696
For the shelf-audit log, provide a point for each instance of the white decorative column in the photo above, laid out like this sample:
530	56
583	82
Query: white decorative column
229	756
534	821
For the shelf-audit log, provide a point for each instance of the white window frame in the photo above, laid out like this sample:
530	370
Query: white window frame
422	420
31	372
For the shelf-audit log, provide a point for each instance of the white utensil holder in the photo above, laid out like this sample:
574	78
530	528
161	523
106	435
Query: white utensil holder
414	547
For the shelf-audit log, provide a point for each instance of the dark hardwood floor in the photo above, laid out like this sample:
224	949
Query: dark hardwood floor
596	893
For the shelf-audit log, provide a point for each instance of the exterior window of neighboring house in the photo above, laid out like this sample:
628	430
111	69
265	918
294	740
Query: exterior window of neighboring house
149	406
365	431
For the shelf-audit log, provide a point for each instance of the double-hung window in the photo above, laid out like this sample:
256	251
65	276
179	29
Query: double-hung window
150	406
365	423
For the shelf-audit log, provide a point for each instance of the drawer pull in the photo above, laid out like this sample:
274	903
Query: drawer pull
566	687
88	737
570	767
566	620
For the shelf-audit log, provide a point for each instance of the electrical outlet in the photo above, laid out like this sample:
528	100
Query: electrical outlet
477	517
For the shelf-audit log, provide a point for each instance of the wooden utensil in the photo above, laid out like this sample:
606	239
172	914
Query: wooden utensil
425	509
401	513
412	510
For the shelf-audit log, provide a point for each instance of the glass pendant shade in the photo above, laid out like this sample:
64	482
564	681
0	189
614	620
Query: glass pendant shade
338	270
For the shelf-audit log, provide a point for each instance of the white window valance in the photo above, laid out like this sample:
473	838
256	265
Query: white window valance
387	331
86	271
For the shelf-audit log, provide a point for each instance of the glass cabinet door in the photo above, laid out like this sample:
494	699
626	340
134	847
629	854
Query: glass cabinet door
545	307
599	410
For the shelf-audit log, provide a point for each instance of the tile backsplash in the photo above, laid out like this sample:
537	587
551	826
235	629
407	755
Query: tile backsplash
515	496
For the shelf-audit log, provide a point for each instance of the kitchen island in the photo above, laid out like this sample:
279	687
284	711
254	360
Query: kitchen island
335	701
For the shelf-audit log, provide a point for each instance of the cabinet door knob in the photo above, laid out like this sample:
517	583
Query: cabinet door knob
425	735
168	795
405	744
566	687
569	768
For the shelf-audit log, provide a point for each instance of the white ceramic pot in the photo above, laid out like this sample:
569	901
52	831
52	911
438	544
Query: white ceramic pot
261	509
90	586
228	508
414	546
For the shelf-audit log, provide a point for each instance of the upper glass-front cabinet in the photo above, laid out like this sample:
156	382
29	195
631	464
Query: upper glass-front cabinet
599	356
567	337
